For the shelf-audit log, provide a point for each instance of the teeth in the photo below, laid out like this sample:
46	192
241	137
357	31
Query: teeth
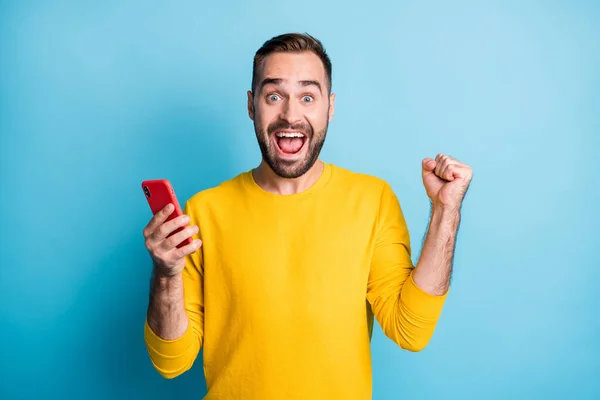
289	134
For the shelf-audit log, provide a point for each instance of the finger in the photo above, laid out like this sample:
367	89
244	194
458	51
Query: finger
440	157
445	172
450	158
168	227
440	160
457	171
172	241
445	157
187	249
428	165
158	219
463	171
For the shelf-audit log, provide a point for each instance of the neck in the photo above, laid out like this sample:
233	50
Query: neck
271	182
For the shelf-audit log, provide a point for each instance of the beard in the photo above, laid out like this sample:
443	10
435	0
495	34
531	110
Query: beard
285	168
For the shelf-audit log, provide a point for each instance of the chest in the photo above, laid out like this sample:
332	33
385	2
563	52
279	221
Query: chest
304	256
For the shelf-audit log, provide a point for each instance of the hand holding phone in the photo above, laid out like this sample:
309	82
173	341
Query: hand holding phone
168	239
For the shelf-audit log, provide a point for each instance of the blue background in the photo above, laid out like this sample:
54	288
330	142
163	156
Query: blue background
94	98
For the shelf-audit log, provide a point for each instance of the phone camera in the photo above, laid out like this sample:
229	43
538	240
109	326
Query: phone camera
146	191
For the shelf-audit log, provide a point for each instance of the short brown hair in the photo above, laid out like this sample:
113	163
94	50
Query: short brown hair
291	43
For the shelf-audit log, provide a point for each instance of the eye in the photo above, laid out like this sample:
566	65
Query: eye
273	97
307	99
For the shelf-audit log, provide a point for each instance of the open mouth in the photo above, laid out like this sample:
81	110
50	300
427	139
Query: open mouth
290	143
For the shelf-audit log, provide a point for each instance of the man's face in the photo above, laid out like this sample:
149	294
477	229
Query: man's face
291	110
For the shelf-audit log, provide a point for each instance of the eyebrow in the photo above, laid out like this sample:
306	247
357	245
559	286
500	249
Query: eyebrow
279	81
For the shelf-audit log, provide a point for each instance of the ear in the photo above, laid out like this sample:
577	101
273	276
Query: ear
250	105
331	105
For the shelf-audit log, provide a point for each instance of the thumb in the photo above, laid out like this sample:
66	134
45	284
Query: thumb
428	165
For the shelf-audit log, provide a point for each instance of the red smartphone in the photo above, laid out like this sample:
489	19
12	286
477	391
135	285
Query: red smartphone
159	193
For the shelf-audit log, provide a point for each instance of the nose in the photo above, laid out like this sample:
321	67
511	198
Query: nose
291	112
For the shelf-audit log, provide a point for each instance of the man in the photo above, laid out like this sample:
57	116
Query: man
290	258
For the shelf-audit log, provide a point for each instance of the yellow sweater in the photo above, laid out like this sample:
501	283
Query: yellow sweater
280	295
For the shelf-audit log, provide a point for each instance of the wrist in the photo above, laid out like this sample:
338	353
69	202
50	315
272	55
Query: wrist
445	209
165	281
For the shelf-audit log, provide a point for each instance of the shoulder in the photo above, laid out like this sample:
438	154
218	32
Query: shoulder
370	190
362	182
221	194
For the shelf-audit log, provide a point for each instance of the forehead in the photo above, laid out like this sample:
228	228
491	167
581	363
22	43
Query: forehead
294	67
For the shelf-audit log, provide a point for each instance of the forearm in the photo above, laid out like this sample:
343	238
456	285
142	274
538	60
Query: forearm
173	330
434	268
166	311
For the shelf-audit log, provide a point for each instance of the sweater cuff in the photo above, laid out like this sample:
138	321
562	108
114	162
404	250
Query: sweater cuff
421	303
169	349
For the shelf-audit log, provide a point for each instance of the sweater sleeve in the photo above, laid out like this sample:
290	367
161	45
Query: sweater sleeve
407	314
172	358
